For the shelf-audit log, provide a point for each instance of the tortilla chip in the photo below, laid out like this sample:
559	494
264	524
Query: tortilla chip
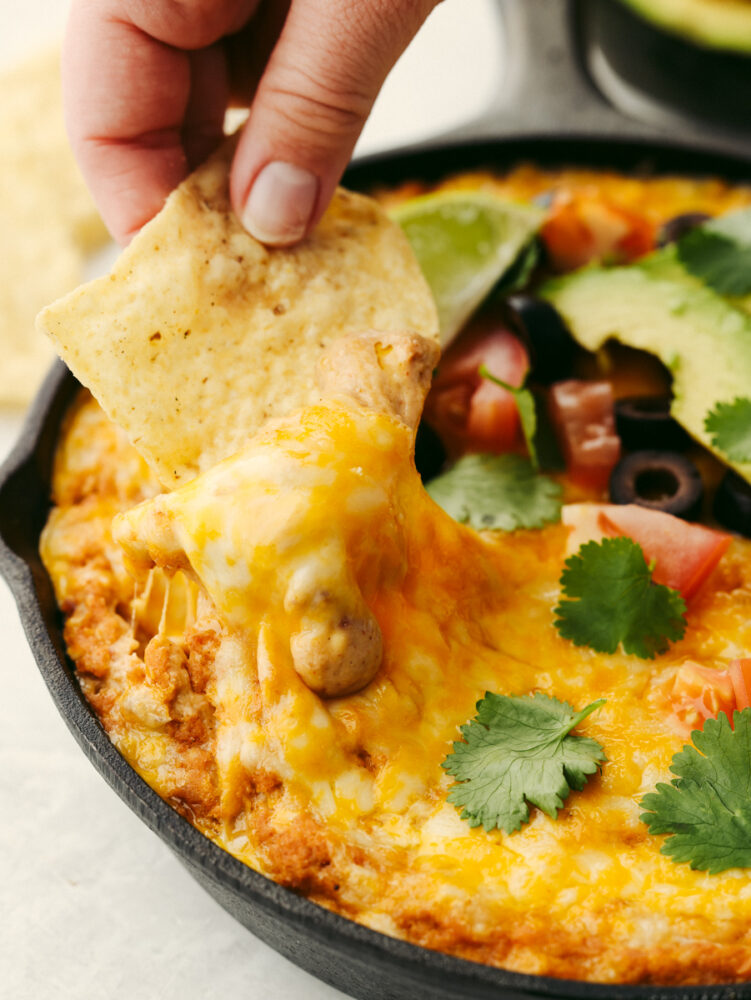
48	222
200	334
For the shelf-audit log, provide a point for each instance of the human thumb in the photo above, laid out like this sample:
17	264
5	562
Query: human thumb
311	103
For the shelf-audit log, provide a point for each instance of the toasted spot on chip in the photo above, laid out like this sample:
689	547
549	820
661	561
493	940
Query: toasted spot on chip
241	326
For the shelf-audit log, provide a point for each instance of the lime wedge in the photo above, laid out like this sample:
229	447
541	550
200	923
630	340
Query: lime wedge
465	241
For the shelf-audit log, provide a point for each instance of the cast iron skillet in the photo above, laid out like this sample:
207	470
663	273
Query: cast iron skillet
555	116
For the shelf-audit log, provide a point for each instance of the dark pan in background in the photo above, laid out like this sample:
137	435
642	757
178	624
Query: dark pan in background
664	77
550	113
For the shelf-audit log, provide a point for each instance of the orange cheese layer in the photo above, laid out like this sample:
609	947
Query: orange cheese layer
655	199
345	800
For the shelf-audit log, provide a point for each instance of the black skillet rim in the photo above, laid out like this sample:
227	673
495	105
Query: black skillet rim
28	468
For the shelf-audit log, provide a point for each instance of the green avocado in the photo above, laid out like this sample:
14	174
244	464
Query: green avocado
721	24
655	306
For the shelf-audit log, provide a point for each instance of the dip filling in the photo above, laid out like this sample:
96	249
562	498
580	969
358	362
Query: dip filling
195	622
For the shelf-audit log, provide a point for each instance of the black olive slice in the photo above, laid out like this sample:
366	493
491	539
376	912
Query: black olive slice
732	504
551	346
430	455
660	480
678	226
645	422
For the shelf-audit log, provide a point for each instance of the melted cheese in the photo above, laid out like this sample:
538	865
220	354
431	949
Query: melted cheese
314	500
332	498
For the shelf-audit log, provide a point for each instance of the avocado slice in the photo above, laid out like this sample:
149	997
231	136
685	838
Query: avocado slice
722	24
704	340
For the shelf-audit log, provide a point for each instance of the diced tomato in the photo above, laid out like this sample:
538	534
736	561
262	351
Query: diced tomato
701	693
740	675
684	554
583	418
471	413
582	228
567	238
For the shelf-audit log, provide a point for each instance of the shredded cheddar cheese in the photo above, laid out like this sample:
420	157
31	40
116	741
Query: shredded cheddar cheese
345	799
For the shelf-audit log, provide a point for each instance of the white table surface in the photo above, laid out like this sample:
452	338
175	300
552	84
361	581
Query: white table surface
93	905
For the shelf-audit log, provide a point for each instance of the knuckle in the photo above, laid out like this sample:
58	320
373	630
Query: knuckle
190	24
310	105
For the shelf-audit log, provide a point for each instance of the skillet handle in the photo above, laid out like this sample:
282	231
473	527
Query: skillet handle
546	88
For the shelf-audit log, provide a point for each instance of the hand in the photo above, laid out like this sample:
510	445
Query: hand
147	84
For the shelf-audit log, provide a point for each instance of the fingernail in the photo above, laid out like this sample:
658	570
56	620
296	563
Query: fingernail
280	204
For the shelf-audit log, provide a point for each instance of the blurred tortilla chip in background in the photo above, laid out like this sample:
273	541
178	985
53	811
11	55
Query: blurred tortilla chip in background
48	222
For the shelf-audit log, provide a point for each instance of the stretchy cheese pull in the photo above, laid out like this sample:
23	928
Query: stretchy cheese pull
302	526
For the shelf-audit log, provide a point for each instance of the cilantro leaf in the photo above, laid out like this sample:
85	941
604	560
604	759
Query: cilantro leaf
525	403
706	809
612	600
719	253
729	424
497	491
518	750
